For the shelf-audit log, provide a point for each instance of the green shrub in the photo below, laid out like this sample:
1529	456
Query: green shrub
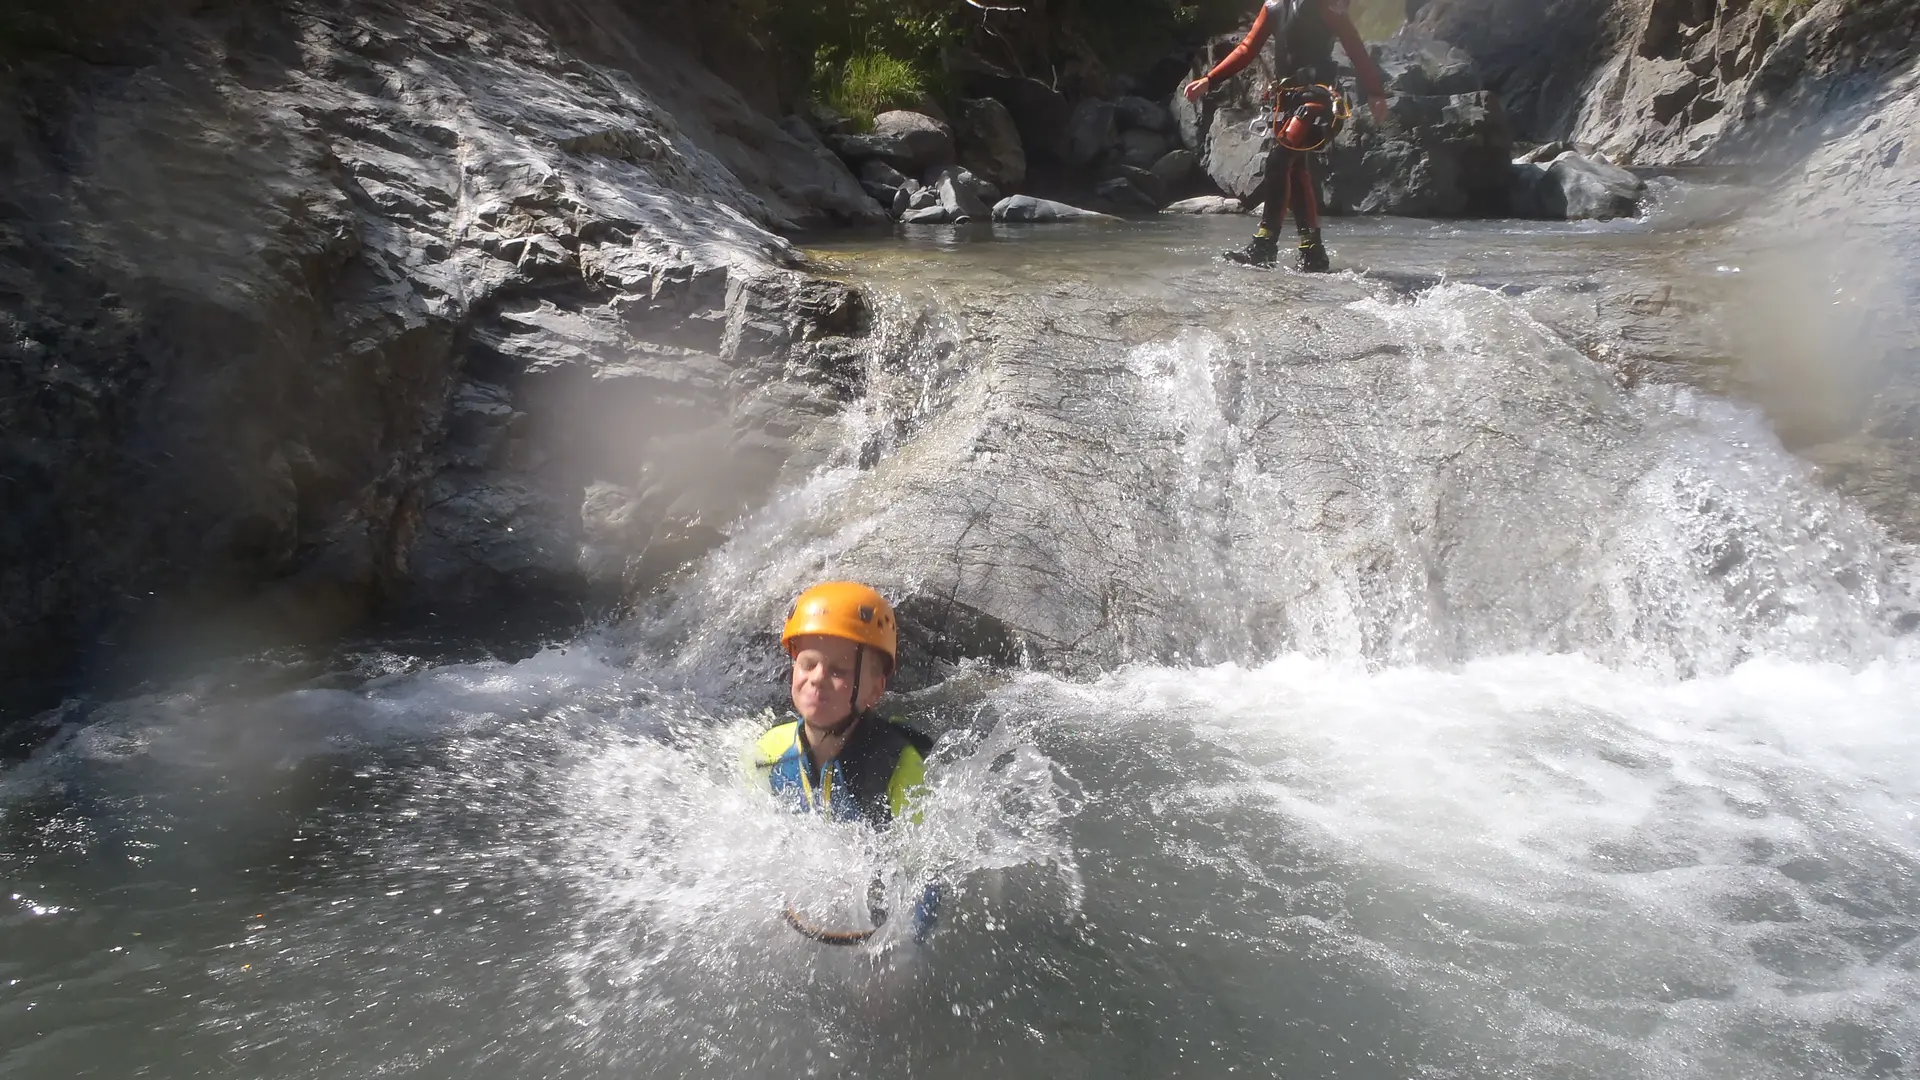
868	84
1378	19
867	56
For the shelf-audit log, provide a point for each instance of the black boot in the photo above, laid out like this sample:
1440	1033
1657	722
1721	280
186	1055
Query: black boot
1313	254
1262	250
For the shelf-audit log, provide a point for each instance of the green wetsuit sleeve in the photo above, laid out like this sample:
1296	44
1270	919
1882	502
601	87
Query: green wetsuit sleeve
757	760
909	775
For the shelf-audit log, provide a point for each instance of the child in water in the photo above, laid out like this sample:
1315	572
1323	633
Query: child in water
841	758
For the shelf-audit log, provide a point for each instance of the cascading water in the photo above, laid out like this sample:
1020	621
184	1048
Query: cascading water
1414	699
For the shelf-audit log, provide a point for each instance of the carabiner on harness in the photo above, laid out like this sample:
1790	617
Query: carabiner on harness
1303	119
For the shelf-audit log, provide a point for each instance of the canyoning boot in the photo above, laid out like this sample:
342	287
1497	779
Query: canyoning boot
1313	254
1262	250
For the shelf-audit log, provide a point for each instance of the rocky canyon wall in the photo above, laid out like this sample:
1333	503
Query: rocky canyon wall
316	311
1674	82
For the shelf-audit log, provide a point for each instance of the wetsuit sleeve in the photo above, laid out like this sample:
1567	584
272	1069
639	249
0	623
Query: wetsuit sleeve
757	760
1243	53
1358	55
908	775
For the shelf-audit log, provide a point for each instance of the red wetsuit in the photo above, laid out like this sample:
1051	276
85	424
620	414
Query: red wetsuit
1303	32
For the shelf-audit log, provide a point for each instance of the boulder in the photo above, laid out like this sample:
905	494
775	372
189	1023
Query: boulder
826	121
929	215
924	142
1543	154
921	198
1546	152
1026	208
957	197
988	193
1142	148
1133	192
1441	157
983	189
879	172
1234	158
832	184
1423	67
882	181
857	150
1190	121
1216	127
1207	204
909	142
928	107
1040	113
1139	114
989	142
1175	169
1092	132
1575	187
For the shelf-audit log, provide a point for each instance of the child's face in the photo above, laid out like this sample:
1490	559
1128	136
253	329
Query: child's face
823	679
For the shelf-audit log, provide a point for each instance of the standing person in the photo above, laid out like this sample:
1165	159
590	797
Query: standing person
841	758
1303	32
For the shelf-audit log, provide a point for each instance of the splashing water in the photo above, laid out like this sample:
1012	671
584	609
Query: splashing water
1500	721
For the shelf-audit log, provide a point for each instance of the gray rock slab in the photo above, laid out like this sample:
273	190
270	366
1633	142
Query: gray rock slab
1025	208
1206	204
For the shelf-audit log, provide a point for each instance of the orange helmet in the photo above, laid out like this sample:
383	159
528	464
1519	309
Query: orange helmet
845	609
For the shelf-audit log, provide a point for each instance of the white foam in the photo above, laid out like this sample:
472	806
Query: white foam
1595	858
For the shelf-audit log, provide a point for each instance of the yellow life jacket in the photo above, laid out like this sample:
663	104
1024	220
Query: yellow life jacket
872	780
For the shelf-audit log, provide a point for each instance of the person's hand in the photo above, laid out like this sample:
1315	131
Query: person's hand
1198	87
1379	110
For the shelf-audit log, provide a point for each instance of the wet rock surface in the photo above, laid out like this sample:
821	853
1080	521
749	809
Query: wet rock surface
1425	67
1207	204
1574	187
1137	447
1026	208
1438	157
1655	82
319	312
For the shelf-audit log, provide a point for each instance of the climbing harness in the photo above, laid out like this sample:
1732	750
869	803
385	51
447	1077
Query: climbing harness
875	893
828	937
1303	119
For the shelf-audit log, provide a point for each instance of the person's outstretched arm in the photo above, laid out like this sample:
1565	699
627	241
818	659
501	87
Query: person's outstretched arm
1363	64
909	779
1237	60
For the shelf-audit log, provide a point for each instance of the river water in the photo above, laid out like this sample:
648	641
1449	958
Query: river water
1413	679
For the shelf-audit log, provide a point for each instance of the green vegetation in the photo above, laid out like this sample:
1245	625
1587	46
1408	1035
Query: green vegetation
1377	19
868	84
862	57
